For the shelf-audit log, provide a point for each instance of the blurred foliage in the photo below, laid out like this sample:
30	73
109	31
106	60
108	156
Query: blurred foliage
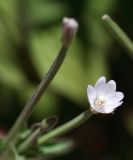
56	148
30	32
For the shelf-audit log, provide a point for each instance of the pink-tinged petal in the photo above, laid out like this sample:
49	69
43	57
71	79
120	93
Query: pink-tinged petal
100	84
99	110
108	110
109	88
114	98
91	93
117	104
111	108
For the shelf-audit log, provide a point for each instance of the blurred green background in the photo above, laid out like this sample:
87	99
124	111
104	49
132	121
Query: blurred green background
30	32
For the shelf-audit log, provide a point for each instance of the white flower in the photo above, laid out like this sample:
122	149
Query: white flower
103	97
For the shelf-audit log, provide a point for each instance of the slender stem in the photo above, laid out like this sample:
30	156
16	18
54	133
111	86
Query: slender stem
77	121
36	96
29	141
119	34
44	126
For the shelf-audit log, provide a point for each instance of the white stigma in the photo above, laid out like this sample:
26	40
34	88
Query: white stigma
100	101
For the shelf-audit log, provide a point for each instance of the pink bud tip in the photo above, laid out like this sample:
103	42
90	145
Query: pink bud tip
70	27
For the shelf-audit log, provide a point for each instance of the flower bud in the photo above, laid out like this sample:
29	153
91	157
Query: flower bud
70	27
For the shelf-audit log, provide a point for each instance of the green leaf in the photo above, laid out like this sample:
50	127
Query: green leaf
1	145
12	154
17	156
57	147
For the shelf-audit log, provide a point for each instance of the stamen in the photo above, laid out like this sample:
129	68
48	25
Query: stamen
100	101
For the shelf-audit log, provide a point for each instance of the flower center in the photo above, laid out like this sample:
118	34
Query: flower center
100	101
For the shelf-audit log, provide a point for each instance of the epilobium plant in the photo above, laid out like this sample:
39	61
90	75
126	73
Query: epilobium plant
69	29
103	97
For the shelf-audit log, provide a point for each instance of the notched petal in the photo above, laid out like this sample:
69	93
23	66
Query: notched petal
114	98
91	93
110	87
115	105
100	82
119	96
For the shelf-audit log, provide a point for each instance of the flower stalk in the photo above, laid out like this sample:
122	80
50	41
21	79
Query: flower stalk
25	114
118	34
41	128
65	128
36	96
